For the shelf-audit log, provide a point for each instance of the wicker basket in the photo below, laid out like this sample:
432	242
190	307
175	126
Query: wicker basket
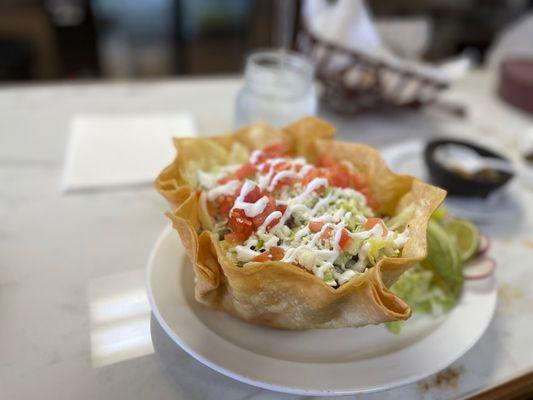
364	84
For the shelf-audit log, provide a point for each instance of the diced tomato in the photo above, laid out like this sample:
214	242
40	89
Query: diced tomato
282	166
276	150
225	180
235	238
338	176
261	158
314	173
282	208
345	240
327	160
370	199
254	195
262	257
211	208
326	233
269	208
372	202
277	253
315	226
257	221
372	221
273	223
284	182
274	254
265	168
357	181
320	190
225	203
341	177
240	223
245	171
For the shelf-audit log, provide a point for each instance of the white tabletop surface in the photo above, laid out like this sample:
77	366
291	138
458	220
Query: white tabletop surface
74	322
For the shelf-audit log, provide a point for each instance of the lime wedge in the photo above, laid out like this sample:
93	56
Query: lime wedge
466	237
440	213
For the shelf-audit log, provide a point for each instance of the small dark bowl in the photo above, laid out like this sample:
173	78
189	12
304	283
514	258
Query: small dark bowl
457	184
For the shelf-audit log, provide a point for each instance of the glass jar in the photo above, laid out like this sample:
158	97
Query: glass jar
278	89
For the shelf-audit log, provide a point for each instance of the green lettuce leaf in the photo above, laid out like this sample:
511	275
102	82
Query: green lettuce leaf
434	285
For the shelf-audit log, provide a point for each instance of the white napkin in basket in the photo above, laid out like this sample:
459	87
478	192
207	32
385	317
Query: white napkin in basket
105	151
349	24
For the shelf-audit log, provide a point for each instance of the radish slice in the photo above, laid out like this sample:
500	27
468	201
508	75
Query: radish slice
484	244
479	268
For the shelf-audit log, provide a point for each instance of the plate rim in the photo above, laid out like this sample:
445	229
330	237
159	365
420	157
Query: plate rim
167	231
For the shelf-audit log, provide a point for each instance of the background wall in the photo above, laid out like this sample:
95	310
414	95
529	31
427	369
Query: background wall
77	39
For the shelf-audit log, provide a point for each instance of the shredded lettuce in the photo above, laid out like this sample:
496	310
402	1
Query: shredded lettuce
433	286
402	218
342	259
376	245
328	275
355	206
239	154
395	326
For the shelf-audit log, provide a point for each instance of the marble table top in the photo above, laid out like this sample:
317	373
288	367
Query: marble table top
64	259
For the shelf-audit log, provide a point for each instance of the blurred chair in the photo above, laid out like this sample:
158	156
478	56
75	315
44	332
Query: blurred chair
16	59
135	37
27	42
213	34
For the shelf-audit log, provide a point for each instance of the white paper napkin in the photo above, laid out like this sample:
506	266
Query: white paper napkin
105	151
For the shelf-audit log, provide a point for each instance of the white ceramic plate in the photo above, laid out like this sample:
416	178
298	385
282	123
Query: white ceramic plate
314	362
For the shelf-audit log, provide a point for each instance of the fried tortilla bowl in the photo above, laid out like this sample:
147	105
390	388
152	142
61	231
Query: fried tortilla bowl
279	294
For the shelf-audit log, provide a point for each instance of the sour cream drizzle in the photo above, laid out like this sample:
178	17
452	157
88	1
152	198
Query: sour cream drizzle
226	189
250	209
270	218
